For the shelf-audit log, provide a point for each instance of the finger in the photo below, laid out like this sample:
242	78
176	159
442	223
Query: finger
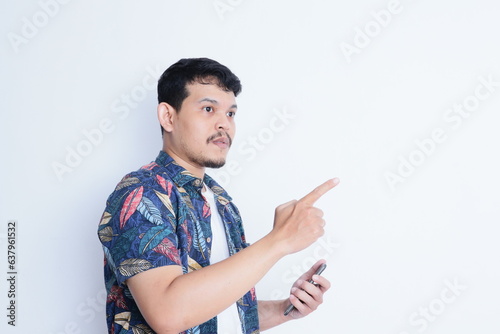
319	191
315	288
303	302
321	282
308	274
304	296
301	309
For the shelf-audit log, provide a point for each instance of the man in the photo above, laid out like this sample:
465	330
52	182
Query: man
176	259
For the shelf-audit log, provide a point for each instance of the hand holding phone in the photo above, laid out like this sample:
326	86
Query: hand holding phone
318	272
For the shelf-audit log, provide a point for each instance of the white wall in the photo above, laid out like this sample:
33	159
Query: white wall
369	91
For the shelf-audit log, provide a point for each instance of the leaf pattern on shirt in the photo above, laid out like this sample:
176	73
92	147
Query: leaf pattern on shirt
142	329
194	330
130	267
217	190
252	293
116	295
106	234
165	184
130	205
189	236
222	200
199	239
126	182
185	198
152	238
167	248
109	258
106	216
162	182
206	210
123	319
166	201
147	208
149	166
193	265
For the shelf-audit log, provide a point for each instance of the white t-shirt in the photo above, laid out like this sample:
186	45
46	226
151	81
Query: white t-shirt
228	322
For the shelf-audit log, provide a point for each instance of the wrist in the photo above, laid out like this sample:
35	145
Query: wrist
271	313
276	245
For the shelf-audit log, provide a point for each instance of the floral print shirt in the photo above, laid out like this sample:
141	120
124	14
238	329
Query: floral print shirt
156	217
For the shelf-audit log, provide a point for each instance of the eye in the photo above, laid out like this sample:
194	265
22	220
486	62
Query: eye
208	109
231	114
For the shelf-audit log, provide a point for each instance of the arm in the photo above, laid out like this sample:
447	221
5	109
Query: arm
305	296
172	302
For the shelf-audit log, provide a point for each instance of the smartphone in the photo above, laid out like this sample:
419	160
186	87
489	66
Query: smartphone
318	272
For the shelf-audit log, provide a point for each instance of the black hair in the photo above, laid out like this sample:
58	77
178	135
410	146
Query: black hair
172	83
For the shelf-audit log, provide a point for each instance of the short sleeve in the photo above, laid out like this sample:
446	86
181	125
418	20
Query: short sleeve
138	231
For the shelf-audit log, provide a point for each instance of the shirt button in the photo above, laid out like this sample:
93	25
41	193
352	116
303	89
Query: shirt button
209	239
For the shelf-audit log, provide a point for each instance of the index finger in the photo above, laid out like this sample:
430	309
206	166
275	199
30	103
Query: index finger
319	191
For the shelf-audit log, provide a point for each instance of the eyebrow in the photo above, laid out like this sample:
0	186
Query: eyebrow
207	99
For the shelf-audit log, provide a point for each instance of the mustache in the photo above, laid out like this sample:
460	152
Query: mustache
220	134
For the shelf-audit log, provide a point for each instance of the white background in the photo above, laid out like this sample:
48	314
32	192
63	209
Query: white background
361	83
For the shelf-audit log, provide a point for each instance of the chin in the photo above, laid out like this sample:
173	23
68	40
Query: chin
214	164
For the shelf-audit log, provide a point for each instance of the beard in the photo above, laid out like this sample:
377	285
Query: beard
212	163
208	162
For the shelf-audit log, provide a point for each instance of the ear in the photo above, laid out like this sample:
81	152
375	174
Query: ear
166	114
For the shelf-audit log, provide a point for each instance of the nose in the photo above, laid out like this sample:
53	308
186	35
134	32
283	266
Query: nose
222	122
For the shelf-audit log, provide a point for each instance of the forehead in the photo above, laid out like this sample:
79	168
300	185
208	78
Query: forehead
197	91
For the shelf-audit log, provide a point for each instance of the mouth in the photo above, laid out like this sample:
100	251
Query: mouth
221	142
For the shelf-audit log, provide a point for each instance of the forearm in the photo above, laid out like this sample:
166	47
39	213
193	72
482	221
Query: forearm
196	297
271	313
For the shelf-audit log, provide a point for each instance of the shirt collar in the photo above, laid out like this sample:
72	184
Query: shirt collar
183	178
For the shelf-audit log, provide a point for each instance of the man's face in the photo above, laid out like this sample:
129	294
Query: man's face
203	129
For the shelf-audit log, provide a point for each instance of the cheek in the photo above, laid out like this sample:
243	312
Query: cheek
197	137
194	129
